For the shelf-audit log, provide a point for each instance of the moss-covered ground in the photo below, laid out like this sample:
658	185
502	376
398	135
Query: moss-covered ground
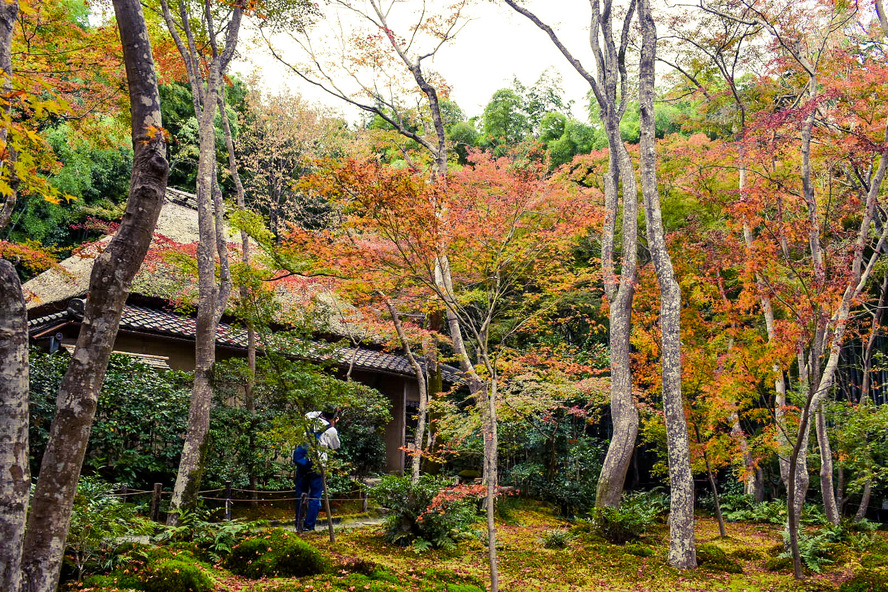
744	561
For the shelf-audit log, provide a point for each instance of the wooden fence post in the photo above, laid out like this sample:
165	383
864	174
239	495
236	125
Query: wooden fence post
155	502
228	501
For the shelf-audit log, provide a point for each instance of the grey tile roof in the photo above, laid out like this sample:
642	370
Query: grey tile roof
161	322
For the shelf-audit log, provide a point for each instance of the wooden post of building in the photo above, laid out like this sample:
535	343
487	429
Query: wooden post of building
155	502
228	501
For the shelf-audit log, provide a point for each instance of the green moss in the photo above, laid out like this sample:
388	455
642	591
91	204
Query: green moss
638	550
714	558
177	575
276	553
779	564
866	580
746	554
872	560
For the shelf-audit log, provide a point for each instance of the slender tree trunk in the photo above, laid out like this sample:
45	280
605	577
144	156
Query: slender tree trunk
826	468
624	415
682	549
9	10
422	386
712	485
610	92
194	449
864	500
15	474
110	281
244	292
206	88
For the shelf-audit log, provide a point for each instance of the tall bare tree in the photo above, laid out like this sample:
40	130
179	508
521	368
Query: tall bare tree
610	88
206	60
112	274
682	548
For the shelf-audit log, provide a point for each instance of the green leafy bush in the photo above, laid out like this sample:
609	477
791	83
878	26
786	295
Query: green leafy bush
557	538
212	540
275	553
176	575
715	558
632	519
97	518
428	513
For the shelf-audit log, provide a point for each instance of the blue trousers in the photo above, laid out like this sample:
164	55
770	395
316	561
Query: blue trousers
311	483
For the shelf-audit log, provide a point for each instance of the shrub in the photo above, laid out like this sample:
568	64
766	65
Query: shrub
427	513
866	580
275	553
632	519
557	538
176	575
713	557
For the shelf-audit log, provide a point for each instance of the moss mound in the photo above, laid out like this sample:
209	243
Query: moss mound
714	558
638	550
781	564
746	554
866	580
275	553
177	575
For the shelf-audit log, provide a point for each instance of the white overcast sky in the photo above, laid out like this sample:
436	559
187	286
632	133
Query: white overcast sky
494	46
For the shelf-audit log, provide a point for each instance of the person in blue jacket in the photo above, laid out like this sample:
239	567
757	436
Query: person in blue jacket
308	480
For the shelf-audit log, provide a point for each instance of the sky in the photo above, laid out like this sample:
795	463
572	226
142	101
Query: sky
494	46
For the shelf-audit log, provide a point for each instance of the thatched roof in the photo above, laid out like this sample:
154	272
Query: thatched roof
50	291
70	279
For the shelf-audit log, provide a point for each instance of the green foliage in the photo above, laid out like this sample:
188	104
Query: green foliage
413	519
97	518
275	553
817	549
557	538
632	519
714	557
136	437
214	540
560	455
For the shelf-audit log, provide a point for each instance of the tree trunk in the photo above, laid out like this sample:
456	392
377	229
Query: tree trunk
194	449
8	13
206	88
864	500
682	550
110	281
15	477
15	474
826	468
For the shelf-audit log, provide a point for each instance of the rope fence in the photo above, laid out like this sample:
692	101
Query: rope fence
229	499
